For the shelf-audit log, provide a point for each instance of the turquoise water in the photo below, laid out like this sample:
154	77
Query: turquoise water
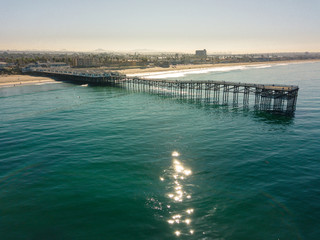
102	163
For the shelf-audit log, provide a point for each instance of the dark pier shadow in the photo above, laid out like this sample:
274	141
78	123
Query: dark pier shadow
275	118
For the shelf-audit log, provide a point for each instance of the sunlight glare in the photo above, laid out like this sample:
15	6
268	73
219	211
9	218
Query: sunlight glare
189	211
175	154
187	221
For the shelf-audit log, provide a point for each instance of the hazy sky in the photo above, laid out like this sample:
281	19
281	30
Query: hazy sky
237	26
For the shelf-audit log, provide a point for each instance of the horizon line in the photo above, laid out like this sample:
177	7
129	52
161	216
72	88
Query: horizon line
97	51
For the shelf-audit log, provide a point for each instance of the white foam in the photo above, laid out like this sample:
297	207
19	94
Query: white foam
182	73
282	64
44	83
261	66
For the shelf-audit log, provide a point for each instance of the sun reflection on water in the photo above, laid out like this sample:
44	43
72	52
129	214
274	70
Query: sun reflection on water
180	215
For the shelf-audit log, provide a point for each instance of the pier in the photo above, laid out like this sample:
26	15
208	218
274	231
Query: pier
264	97
79	75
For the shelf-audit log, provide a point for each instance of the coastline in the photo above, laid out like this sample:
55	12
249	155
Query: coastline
192	67
155	72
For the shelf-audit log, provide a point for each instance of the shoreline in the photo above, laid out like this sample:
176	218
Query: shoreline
191	67
22	80
155	72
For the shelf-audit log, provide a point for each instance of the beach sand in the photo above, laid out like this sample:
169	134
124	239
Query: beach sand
20	80
134	71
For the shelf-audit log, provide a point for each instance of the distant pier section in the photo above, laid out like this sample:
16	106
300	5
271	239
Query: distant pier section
78	75
264	97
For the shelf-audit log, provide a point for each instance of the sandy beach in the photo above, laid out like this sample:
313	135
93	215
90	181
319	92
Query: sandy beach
153	70
20	80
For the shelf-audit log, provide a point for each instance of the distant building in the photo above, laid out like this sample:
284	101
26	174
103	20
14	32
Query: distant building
3	65
83	62
57	64
201	53
30	66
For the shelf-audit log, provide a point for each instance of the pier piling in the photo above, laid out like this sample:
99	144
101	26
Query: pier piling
273	98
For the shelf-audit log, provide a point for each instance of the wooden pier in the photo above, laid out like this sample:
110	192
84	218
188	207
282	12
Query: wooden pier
264	97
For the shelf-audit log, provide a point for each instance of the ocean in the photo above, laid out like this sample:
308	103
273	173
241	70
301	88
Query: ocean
90	162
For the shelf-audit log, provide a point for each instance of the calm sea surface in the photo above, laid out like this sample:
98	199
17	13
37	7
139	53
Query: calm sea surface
106	163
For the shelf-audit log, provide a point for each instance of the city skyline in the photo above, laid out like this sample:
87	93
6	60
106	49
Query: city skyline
180	26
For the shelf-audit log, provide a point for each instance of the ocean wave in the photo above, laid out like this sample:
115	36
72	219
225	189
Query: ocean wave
261	66
44	83
282	64
182	73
